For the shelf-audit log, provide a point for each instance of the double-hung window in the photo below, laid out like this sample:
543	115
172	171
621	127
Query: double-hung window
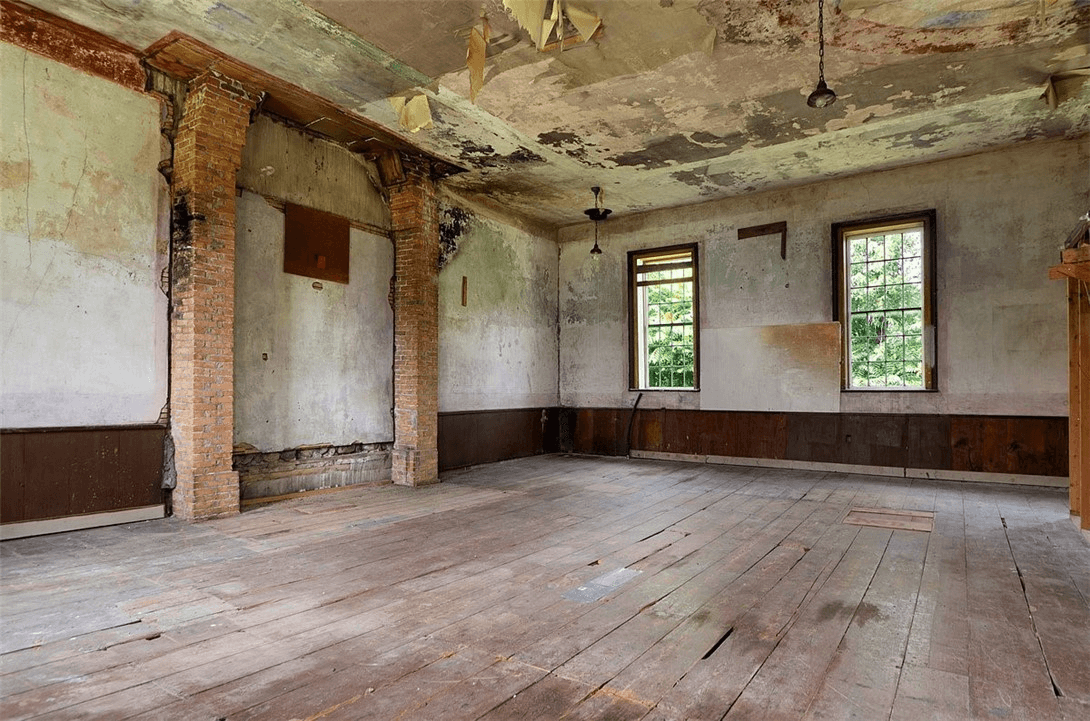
663	320
885	301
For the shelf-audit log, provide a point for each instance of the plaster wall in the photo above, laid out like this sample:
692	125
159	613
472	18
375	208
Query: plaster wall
499	350
313	365
1002	329
284	163
83	243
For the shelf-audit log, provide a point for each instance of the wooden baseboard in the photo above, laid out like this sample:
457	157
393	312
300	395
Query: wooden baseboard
24	529
971	476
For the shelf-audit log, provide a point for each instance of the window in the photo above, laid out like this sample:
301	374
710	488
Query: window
663	333
885	301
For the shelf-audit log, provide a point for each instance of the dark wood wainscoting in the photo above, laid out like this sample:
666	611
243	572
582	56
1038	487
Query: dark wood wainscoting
59	472
467	438
1029	445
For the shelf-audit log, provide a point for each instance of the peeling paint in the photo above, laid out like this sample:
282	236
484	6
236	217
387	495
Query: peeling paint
651	100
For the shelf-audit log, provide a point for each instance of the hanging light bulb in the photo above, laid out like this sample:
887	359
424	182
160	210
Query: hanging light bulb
823	96
597	214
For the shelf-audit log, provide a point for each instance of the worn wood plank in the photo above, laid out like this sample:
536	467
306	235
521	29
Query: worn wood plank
329	607
710	688
861	680
1007	673
939	638
928	693
786	684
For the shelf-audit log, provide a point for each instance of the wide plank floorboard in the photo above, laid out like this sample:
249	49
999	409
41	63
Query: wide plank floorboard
736	593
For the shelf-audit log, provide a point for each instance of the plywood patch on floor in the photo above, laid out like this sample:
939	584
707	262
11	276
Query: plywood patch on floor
892	519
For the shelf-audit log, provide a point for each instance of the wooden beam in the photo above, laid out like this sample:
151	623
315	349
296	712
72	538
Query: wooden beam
755	231
1080	254
1080	271
184	57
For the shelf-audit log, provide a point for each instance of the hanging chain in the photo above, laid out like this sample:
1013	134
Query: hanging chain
821	39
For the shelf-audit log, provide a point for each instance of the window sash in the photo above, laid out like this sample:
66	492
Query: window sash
899	324
646	270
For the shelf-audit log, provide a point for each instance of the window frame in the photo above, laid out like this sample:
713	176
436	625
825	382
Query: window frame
841	311
634	359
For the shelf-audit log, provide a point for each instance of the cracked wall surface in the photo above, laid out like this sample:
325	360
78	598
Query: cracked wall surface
83	244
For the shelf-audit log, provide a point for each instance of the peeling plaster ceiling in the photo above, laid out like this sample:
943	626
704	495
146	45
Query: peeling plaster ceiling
674	102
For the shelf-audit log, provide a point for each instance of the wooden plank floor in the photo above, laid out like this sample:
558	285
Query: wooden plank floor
753	601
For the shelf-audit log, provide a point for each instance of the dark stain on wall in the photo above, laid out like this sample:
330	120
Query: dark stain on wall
453	224
181	239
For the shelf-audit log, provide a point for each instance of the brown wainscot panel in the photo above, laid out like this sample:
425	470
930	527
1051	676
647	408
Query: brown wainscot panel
58	472
600	431
468	438
994	444
1030	445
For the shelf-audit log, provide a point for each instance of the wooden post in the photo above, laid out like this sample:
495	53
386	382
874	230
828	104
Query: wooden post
1080	476
1074	424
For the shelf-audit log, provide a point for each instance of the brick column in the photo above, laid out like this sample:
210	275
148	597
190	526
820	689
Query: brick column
415	220
207	154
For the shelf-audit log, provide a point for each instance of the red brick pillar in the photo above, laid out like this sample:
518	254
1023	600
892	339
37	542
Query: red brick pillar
207	154
416	326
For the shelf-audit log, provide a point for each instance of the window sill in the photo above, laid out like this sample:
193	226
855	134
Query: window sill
889	390
663	390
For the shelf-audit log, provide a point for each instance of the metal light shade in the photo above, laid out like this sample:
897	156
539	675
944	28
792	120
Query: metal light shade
822	97
597	214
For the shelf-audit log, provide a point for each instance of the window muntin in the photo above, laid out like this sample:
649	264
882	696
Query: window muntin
664	334
885	302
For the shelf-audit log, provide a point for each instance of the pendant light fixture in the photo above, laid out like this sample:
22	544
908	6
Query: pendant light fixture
597	214
823	96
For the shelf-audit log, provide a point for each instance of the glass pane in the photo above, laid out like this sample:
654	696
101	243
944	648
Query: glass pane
893	246
858	250
913	322
914	349
858	325
861	374
913	241
876	248
913	296
894	348
913	270
858	299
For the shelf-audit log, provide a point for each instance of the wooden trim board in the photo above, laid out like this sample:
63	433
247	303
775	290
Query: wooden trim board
940	475
25	529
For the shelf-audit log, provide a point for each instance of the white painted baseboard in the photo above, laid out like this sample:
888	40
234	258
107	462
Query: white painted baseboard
23	529
896	471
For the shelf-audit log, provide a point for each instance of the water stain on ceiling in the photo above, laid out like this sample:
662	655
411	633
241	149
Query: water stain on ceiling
672	101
